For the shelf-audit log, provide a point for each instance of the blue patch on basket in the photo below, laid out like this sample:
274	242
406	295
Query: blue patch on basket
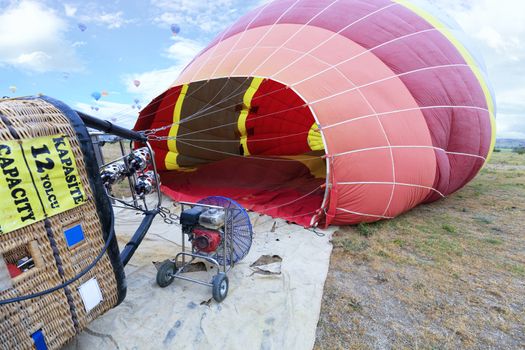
74	235
39	340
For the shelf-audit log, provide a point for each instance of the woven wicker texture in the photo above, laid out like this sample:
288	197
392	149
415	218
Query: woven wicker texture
60	315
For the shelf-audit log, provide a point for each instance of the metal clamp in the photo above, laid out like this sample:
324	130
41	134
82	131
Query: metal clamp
168	217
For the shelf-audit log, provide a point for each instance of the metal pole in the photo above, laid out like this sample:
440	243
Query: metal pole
131	189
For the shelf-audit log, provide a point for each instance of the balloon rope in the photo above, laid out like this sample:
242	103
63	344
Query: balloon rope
345	61
283	218
355	88
239	39
220	40
289	38
250	157
333	36
295	200
120	113
237	141
228	124
231	50
197	114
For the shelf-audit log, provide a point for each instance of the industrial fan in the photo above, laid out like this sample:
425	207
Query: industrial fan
240	229
219	232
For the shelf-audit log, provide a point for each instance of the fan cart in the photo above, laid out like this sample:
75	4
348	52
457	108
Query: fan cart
216	230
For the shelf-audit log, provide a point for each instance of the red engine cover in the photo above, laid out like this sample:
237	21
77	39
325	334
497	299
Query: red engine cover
206	241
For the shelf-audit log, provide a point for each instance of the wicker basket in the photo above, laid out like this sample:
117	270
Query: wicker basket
61	314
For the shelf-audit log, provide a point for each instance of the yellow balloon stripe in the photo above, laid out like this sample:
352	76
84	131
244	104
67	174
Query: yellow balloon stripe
247	103
171	156
315	141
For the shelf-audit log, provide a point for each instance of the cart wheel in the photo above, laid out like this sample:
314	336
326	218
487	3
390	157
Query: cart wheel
165	274
220	287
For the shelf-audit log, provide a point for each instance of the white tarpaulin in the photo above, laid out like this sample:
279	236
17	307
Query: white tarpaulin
273	306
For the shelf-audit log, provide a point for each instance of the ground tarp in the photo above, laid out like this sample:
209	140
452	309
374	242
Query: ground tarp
273	306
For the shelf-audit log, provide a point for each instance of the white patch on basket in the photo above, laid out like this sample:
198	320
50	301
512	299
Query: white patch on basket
5	278
91	294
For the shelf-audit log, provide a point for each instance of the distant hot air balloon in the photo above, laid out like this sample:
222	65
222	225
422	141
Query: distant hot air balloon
139	107
175	29
104	93
82	27
113	120
133	106
65	75
12	88
379	107
96	95
136	83
136	101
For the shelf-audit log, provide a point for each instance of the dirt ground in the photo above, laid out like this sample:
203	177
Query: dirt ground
446	275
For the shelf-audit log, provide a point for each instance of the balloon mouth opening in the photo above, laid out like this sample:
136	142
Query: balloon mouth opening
285	190
250	139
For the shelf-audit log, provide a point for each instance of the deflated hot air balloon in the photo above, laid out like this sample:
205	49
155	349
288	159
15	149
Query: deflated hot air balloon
303	113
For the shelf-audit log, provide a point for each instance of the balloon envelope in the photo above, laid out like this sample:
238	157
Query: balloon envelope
82	27
136	101
104	93
12	88
96	95
136	83
370	114
175	29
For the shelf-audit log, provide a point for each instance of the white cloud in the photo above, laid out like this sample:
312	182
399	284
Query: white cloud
152	83
497	27
70	10
39	44
122	114
210	16
155	82
79	43
113	20
183	50
91	13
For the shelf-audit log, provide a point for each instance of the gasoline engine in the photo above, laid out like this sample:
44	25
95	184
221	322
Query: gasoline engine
204	227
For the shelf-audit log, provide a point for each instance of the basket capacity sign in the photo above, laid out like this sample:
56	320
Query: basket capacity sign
38	178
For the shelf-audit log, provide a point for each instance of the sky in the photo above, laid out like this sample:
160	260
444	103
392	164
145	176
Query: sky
43	49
